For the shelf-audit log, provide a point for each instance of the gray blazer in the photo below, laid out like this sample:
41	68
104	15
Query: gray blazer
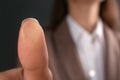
64	60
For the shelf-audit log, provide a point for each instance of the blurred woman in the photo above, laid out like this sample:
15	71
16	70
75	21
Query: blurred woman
82	43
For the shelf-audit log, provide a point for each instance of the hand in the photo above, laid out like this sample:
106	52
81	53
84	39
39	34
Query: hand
32	54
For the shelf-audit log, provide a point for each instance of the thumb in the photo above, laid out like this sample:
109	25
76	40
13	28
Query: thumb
32	51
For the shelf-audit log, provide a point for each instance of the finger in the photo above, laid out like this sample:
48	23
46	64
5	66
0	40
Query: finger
13	74
32	51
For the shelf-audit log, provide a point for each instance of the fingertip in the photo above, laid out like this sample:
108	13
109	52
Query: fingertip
30	19
30	28
30	23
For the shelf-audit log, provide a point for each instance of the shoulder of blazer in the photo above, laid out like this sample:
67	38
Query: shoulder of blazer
114	32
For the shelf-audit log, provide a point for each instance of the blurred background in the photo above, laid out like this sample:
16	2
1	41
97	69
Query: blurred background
12	12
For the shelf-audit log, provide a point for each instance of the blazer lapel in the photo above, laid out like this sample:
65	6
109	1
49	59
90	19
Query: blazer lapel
111	56
68	54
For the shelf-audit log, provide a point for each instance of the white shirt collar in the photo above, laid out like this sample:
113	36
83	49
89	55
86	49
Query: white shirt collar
78	31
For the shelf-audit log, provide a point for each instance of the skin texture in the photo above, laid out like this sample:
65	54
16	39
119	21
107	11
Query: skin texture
85	12
33	57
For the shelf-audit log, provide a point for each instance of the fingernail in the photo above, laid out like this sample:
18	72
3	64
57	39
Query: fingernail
28	19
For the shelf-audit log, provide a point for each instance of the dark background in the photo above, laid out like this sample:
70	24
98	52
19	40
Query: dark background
12	12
